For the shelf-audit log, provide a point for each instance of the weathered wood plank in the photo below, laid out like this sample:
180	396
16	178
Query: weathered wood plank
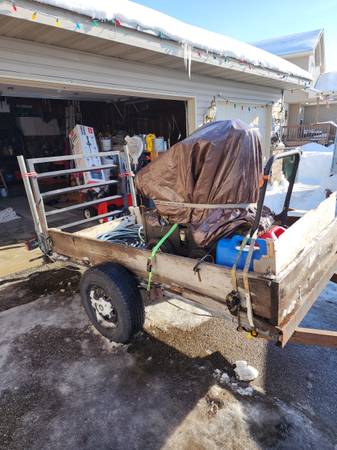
175	271
297	237
303	281
312	336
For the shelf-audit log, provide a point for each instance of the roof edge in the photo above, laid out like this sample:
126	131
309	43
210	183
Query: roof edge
53	16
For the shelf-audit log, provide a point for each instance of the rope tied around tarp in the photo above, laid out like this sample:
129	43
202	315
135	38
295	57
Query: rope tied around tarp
206	205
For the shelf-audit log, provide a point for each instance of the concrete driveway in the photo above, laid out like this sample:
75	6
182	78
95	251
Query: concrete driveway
65	387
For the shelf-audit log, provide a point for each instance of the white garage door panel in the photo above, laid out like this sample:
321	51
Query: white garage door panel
256	116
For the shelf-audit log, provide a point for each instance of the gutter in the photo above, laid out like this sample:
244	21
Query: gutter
64	20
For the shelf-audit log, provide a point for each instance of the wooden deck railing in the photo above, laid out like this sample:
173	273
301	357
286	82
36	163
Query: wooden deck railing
322	133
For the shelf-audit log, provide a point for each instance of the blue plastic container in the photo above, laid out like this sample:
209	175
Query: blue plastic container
227	250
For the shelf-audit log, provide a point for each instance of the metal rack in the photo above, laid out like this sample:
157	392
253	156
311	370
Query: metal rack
36	198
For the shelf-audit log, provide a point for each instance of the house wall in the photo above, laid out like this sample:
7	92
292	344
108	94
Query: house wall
38	65
301	61
321	113
294	114
312	62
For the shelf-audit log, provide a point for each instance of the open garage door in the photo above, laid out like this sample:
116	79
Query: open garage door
37	122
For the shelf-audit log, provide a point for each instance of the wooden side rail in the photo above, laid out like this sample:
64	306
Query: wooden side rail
312	336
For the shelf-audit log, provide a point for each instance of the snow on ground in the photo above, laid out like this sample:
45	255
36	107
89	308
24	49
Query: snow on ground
313	179
314	167
62	388
245	372
147	19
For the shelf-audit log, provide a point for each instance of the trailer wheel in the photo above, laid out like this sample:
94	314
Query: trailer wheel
89	212
112	300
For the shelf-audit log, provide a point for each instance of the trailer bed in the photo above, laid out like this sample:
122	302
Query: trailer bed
282	290
273	298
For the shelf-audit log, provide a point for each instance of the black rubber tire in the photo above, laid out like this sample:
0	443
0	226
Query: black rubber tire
121	287
89	212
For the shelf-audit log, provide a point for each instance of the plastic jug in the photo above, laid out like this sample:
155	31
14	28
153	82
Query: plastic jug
227	250
150	142
273	233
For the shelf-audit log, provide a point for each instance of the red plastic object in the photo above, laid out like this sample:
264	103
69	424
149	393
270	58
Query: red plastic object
273	233
102	208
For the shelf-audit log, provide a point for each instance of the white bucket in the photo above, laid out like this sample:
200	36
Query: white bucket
106	144
3	192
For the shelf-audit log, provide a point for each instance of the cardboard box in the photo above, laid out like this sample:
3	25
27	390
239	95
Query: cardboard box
83	141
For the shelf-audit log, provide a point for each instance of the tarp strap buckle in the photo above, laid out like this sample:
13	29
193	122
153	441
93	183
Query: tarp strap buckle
245	273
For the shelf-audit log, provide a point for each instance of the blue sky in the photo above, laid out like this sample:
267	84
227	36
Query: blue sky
250	20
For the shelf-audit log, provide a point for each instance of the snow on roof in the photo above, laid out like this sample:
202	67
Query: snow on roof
149	20
327	82
291	44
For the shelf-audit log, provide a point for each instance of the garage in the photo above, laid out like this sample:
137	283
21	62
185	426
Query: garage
38	123
36	126
120	73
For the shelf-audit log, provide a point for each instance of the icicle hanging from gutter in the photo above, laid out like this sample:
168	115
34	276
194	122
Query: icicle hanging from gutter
187	58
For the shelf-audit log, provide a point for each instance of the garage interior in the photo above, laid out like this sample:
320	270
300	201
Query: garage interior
36	123
36	126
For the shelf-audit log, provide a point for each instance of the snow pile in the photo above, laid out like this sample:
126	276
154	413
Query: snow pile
312	182
314	147
245	392
221	377
315	167
148	20
7	215
244	372
304	196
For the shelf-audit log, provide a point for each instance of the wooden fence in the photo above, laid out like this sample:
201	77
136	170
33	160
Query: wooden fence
322	133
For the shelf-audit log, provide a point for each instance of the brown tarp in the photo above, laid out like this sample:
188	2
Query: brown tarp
220	163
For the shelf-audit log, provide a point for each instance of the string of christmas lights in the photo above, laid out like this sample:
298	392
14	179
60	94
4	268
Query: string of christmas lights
230	61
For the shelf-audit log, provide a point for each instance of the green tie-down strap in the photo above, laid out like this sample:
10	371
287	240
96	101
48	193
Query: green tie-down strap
155	251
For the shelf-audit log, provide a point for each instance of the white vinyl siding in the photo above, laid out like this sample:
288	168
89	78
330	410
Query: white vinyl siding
320	113
255	115
32	64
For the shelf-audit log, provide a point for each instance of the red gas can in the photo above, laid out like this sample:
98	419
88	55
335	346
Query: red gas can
273	232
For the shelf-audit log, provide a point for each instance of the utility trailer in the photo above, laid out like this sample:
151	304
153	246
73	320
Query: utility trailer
272	300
